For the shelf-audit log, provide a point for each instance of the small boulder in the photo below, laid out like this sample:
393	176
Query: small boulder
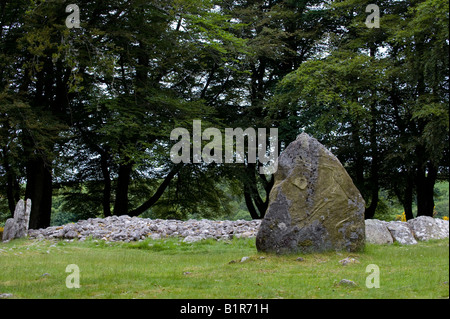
347	283
401	233
192	239
348	260
426	228
243	259
377	232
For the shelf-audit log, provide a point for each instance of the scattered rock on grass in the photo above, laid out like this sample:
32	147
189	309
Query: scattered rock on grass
348	260
347	283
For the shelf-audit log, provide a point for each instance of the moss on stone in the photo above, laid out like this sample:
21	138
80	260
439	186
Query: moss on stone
315	190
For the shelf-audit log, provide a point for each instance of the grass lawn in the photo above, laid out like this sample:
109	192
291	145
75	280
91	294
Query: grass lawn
173	269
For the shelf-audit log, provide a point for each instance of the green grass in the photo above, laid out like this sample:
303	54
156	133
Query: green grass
173	269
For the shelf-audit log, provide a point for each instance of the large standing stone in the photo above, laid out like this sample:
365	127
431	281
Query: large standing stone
314	205
17	227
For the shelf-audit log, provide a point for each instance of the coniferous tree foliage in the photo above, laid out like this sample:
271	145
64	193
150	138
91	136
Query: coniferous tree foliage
379	98
86	113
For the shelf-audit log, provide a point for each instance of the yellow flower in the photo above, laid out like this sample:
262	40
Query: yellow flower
445	218
401	217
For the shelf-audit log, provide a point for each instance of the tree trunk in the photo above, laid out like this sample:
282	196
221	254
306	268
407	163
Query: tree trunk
106	199
374	167
12	192
425	181
125	169
369	213
405	195
250	206
256	206
152	200
39	190
123	181
12	185
408	197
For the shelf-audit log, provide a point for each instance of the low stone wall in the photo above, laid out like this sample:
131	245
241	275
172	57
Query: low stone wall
125	228
406	233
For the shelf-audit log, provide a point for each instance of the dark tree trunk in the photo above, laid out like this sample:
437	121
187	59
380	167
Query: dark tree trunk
425	181
39	190
106	200
12	192
104	165
408	199
256	206
126	168
123	181
152	200
250	206
404	190
12	185
374	167
370	211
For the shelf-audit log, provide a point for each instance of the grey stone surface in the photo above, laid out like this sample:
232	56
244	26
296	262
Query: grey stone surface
348	260
17	227
377	232
443	227
314	205
401	232
426	228
347	283
126	228
421	228
10	229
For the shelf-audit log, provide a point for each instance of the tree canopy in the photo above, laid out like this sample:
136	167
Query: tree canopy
379	98
87	112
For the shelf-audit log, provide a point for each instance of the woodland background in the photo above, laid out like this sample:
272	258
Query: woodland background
86	113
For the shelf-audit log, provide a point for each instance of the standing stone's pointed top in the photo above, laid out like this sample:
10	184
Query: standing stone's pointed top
313	205
20	208
303	135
